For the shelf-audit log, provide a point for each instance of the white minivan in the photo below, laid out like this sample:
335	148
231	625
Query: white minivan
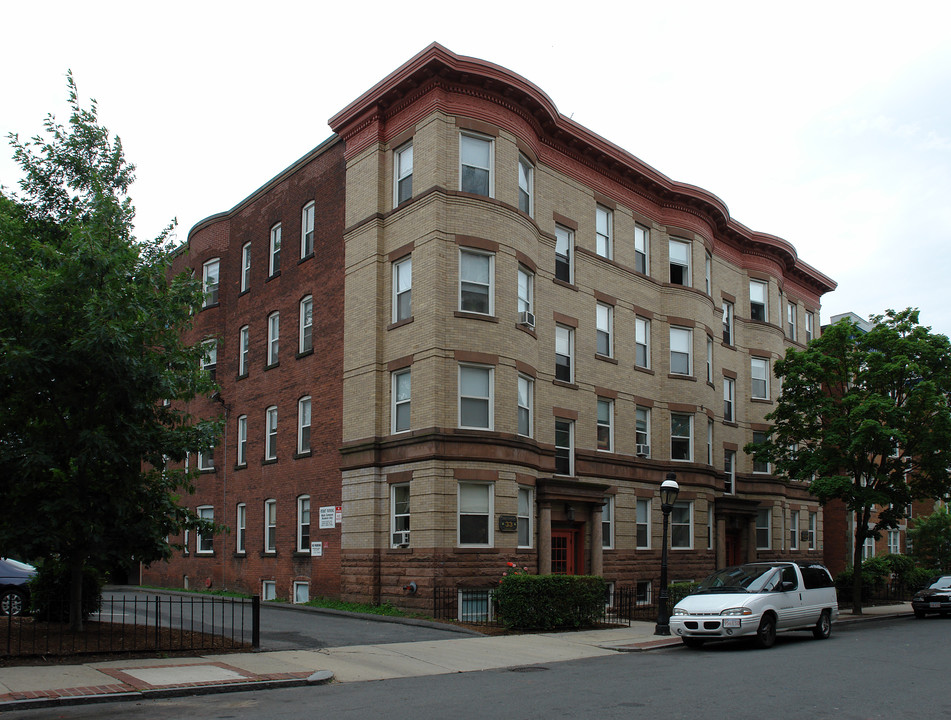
758	599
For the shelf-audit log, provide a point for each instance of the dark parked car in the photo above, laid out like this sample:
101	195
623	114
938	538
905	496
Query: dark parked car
14	590
933	599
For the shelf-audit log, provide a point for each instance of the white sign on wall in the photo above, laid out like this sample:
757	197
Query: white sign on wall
316	549
328	515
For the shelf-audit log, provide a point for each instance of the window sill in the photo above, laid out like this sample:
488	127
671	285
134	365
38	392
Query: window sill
206	471
526	329
399	551
204	553
647	370
268	553
565	284
562	383
606	358
271	277
306	257
304	353
244	292
269	461
678	376
305	454
242	376
210	305
763	401
728	346
272	366
242	466
475	316
730	423
400	323
301	554
240	554
467	549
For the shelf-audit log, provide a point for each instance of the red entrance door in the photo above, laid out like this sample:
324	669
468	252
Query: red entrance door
564	552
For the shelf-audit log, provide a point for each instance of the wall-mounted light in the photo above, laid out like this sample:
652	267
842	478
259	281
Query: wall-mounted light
570	512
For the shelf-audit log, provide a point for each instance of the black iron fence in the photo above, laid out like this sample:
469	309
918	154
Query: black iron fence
876	594
475	606
133	623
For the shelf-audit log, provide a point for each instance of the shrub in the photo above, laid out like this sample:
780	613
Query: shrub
678	591
918	578
547	602
49	591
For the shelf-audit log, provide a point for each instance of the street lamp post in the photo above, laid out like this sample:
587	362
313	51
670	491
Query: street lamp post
668	496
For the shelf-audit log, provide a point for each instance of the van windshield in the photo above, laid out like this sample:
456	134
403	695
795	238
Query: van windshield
742	579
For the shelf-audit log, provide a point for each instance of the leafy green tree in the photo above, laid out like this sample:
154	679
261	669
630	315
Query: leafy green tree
90	348
931	539
865	418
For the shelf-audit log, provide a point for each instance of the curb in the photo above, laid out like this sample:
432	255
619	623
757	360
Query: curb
321	677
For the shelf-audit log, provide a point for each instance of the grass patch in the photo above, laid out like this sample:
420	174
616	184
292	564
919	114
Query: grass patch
384	609
196	591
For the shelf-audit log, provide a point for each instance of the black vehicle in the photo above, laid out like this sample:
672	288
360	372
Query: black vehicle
14	587
933	599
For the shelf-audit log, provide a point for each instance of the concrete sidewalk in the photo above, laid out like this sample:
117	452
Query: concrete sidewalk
38	686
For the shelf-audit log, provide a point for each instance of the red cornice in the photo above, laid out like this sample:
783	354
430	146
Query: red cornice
437	67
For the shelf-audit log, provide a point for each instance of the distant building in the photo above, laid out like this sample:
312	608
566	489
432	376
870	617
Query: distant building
466	330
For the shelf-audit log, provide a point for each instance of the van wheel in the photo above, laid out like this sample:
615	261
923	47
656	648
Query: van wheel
823	628
692	642
766	633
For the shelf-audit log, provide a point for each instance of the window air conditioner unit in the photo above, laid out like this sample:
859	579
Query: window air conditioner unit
401	538
526	318
643	450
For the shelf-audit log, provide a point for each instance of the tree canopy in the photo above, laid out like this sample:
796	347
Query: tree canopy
931	540
865	417
93	370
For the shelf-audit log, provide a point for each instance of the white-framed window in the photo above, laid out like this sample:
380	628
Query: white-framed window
708	273
209	361
301	592
868	548
525	513
270	437
607	523
476	164
303	425
643	524
274	263
642	242
604	232
759	374
475	513
206	459
791	321
240	527
758	306
709	441
526	401
564	254
273	337
399	514
268	590
729	399
303	523
681	437
307	229
306	324
681	526
403	174
564	446
564	353
210	277
605	329
476	282
403	289
476	397
605	424
679	262
642	342
270	526
810	326
476	606
402	397
759	437
185	536
729	472
244	347
894	542
242	440
526	290
763	529
794	530
727	322
204	544
813	524
642	592
709	359
642	431
526	185
245	267
681	351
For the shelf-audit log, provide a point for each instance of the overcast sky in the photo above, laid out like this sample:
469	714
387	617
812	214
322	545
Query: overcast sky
825	123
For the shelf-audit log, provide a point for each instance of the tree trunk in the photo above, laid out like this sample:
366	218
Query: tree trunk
76	594
857	571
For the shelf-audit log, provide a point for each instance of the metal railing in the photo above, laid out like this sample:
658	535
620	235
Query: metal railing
137	624
475	606
876	594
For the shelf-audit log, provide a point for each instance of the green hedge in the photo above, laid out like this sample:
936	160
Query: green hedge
678	591
49	591
548	602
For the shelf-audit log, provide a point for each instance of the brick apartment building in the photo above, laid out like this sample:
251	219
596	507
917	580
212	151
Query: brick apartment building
465	330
